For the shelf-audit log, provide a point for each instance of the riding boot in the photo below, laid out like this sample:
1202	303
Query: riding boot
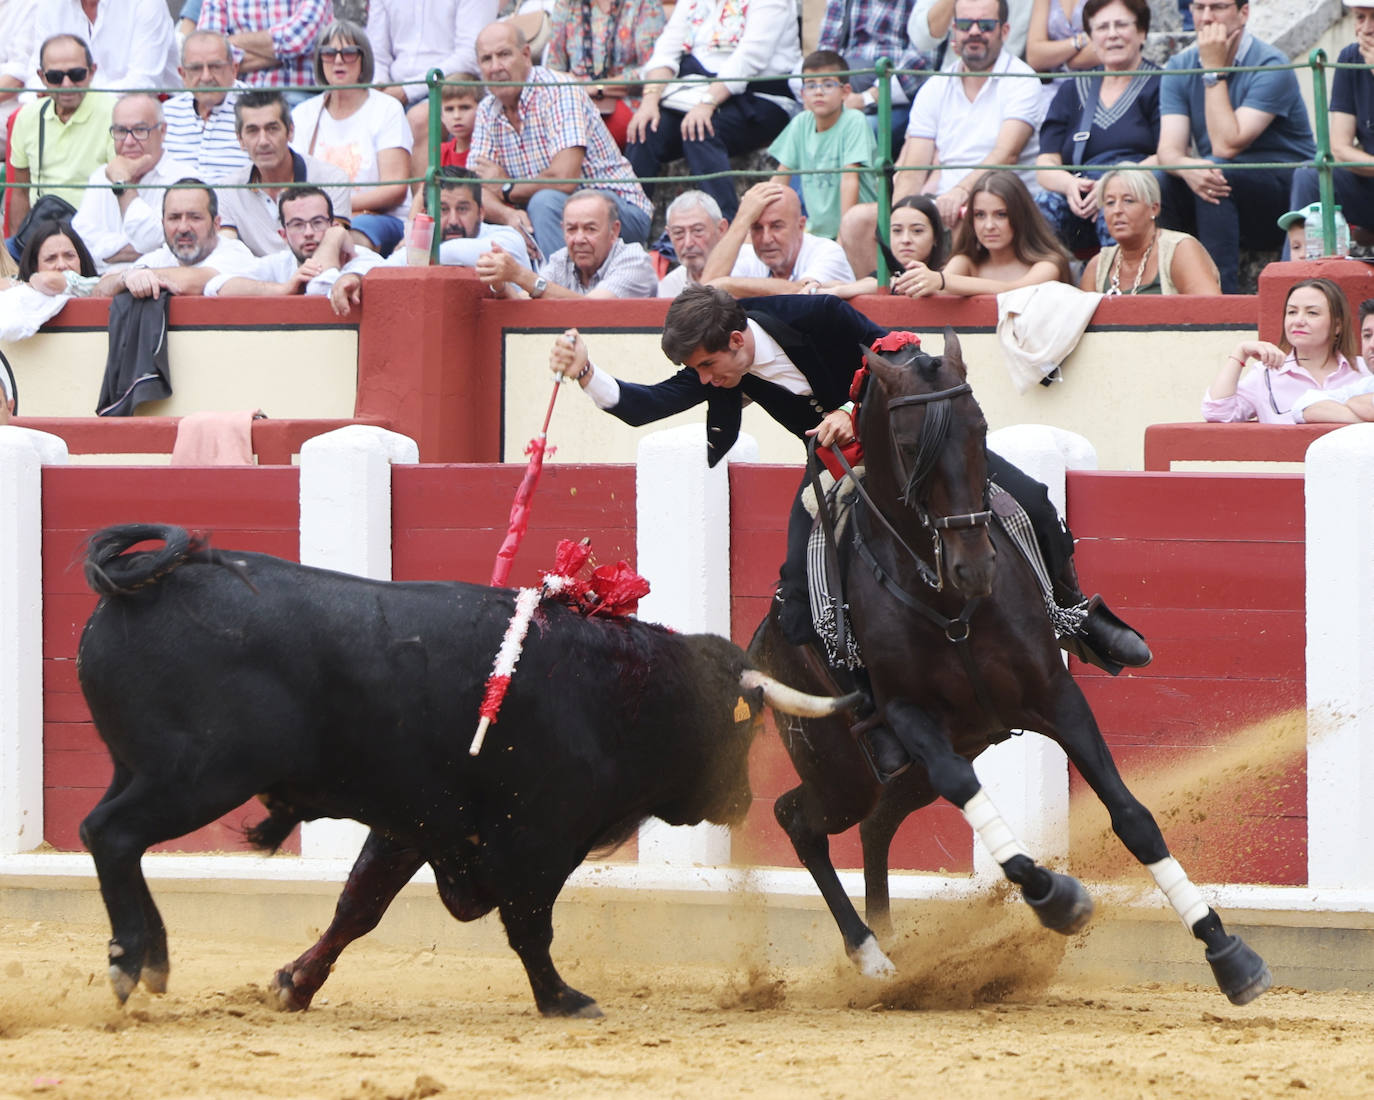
794	616
1101	639
886	754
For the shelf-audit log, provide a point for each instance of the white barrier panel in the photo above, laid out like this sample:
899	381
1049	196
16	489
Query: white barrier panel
1340	661
683	548
23	453
346	525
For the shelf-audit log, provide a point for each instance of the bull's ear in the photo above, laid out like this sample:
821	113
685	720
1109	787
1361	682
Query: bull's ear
953	353
887	374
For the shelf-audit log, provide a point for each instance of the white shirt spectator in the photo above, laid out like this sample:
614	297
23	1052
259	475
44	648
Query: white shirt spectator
210	145
410	37
17	47
964	132
280	266
674	283
106	231
627	272
132	41
229	258
463	251
1338	394
252	213
352	143
818	258
1018	20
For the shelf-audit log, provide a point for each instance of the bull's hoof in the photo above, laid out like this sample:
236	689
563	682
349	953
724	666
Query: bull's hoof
285	994
571	1005
1067	907
871	961
1240	973
123	982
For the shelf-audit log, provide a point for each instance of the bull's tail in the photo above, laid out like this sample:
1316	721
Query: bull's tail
112	571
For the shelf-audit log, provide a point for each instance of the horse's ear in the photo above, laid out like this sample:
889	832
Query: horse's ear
889	375
953	354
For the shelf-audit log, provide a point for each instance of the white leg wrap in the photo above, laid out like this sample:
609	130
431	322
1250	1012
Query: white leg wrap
995	833
1179	889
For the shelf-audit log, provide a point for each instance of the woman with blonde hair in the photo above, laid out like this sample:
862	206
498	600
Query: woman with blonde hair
1144	259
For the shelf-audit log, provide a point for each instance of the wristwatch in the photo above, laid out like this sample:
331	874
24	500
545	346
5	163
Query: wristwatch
506	193
541	284
1211	80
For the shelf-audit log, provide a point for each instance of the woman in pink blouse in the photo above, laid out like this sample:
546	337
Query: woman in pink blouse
1319	350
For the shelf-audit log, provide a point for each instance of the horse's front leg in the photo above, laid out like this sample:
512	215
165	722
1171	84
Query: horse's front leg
1059	901
1239	971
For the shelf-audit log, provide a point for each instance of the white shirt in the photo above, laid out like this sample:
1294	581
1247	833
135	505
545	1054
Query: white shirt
463	251
965	132
133	41
410	37
280	266
818	258
16	47
1339	394
352	143
674	283
229	258
106	230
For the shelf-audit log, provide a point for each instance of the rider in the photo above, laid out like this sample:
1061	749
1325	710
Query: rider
795	356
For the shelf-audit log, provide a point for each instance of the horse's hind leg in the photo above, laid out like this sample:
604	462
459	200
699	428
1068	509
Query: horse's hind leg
1059	901
802	820
1240	972
900	799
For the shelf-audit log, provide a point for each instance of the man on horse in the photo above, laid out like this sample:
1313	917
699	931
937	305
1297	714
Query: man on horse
796	356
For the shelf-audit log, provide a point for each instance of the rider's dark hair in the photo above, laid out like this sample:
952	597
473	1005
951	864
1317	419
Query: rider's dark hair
701	317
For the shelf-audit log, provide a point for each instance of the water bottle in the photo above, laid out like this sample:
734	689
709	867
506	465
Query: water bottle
1316	242
419	238
1342	234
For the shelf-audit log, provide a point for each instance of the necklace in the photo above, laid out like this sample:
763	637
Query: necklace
1115	288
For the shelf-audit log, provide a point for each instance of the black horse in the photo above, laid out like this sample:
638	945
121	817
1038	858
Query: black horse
958	651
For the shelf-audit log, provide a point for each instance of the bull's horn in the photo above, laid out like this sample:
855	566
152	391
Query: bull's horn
791	701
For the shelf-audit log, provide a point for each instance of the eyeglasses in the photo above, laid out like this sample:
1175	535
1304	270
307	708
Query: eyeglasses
348	53
987	26
1211	9
54	76
820	85
1269	385
139	133
1120	26
319	225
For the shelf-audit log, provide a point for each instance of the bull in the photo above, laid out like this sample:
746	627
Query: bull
213	676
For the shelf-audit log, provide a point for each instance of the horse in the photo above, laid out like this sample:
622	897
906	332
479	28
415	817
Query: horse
958	651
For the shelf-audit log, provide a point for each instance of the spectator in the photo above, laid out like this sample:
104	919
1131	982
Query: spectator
361	130
708	124
192	252
919	243
781	257
458	111
863	31
594	262
131	40
265	131
200	121
533	127
695	226
1318	352
1352	132
317	251
63	136
1143	258
929	26
16	52
1004	243
276	39
1230	119
1105	117
1057	40
975	119
831	143
410	39
1294	224
1351	403
57	261
602	41
118	216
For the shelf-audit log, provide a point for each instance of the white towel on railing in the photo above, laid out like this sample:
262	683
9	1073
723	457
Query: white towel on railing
23	311
1039	326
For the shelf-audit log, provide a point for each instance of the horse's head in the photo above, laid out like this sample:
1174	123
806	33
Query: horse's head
925	450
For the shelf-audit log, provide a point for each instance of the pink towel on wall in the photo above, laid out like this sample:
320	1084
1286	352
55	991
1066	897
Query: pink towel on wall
215	439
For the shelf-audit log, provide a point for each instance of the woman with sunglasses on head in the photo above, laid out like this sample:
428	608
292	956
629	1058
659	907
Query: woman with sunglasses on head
1319	350
360	130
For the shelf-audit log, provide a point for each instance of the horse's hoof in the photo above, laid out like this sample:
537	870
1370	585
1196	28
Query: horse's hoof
871	961
285	995
123	982
155	978
1066	909
571	1005
1240	973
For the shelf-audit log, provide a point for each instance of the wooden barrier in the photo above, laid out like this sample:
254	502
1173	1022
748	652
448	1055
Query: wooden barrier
1166	444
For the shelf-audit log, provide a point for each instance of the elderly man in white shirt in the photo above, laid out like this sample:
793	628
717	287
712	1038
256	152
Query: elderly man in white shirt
133	41
779	257
200	120
120	214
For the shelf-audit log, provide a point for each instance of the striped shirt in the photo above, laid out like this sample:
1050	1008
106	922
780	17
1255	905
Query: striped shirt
554	118
627	272
210	144
294	26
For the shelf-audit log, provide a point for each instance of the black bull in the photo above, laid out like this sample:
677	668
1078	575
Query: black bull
214	676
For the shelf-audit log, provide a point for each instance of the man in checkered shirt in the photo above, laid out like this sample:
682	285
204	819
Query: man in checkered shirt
531	126
275	37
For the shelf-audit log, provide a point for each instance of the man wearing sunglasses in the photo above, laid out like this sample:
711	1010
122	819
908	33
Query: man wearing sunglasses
132	41
63	136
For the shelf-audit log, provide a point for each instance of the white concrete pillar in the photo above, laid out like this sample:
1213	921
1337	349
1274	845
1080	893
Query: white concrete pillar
1340	660
346	525
1027	778
683	548
23	453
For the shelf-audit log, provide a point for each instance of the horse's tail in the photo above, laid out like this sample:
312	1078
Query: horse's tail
112	571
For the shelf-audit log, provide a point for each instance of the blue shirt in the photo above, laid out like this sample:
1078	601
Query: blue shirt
1127	130
1352	93
1288	137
